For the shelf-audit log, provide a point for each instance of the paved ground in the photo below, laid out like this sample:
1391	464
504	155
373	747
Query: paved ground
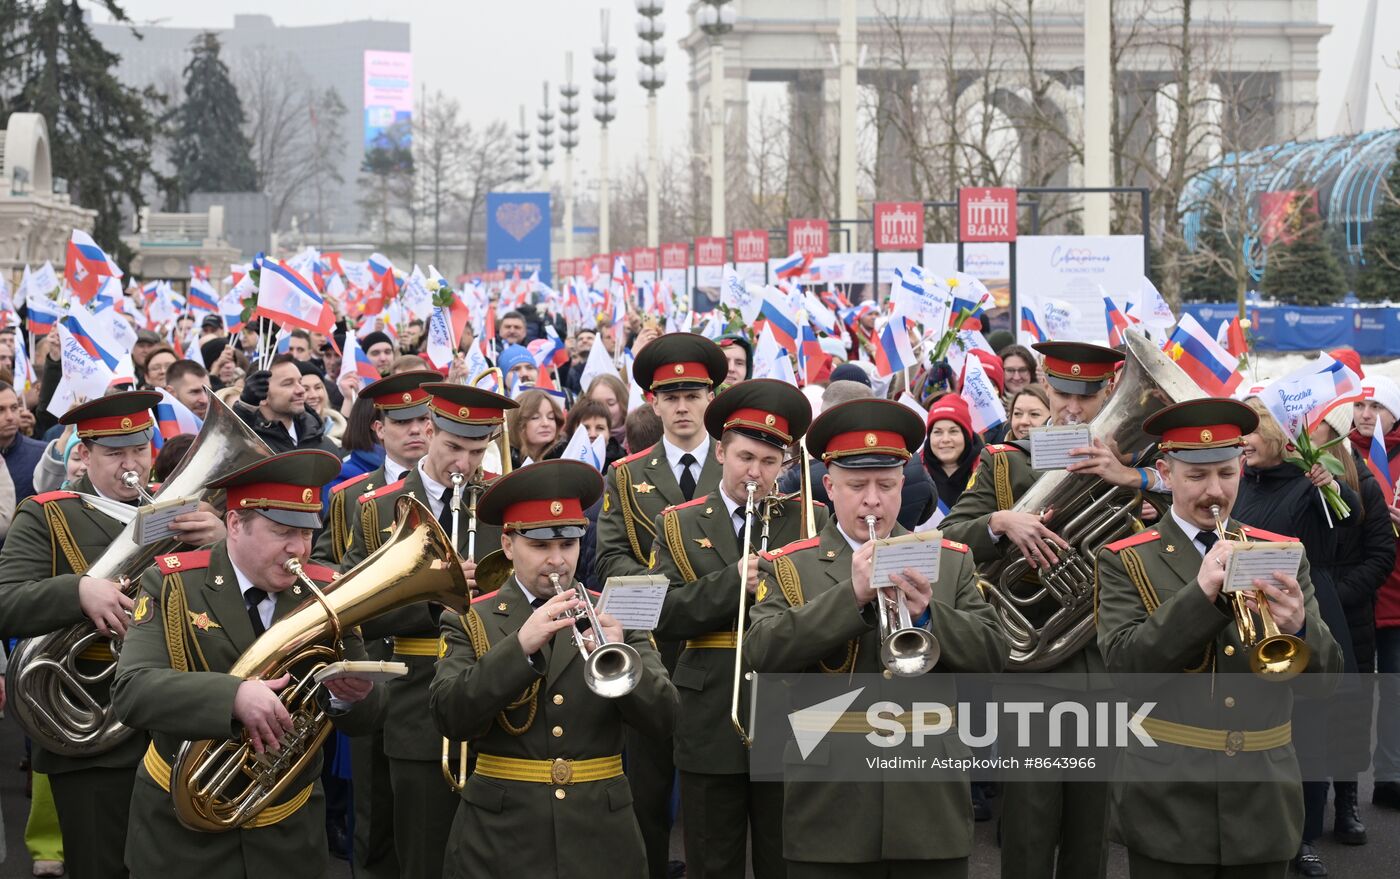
1346	862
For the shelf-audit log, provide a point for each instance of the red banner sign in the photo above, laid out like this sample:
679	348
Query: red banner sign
812	237
709	251
899	225
675	255
751	245
643	259
987	214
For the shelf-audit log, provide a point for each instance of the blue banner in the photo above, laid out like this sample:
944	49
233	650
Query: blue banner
1372	331
518	233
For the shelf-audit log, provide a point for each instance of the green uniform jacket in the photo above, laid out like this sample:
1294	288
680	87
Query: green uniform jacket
697	549
806	620
409	733
335	536
1169	803
523	828
638	488
53	539
189	627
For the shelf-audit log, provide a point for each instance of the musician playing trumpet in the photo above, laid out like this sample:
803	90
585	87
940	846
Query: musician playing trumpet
1222	787
700	550
547	796
817	611
55	537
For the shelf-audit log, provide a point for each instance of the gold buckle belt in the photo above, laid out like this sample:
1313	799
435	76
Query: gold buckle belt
160	774
98	653
855	722
1230	741
556	771
416	646
716	640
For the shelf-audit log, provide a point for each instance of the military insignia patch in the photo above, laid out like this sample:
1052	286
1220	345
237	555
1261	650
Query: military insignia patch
762	590
143	610
644	487
202	622
442	647
606	501
703	542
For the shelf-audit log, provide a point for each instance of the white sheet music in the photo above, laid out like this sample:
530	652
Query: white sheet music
1050	446
634	601
1258	561
922	552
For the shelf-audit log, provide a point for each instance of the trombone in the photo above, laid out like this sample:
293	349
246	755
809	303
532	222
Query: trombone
906	650
611	669
1272	654
745	735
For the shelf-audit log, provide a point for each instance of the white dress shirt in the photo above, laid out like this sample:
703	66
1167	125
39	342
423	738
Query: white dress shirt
266	607
394	471
673	457
1190	531
434	489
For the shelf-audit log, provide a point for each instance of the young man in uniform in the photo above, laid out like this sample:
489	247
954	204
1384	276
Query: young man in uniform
700	550
547	796
54	539
196	613
817	612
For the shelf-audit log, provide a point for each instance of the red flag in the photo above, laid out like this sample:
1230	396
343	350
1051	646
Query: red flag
1234	338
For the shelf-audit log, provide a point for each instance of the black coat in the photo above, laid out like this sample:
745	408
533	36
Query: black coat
309	427
1365	556
950	487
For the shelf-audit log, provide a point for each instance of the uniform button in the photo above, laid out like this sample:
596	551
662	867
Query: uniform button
1229	650
558	698
1229	701
559	793
557	731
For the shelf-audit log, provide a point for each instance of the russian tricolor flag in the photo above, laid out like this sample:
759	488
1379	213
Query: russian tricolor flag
784	327
1202	358
1379	466
43	314
86	266
355	362
893	352
1030	327
174	418
796	264
287	297
80	322
202	296
1117	322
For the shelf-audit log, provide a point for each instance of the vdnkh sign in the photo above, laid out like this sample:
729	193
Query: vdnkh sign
751	245
987	214
675	255
899	225
709	251
812	237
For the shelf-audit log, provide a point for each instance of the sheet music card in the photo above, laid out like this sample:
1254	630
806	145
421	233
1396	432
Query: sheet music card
922	552
1257	561
634	601
153	521
1050	446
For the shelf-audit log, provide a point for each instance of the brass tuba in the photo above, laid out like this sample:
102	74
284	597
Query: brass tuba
222	785
46	687
1050	617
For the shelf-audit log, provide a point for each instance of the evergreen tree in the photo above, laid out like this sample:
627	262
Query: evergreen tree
1204	277
211	153
100	131
1380	275
1301	268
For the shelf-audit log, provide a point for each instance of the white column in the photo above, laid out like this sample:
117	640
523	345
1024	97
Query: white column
568	204
603	205
653	175
717	224
846	168
1098	113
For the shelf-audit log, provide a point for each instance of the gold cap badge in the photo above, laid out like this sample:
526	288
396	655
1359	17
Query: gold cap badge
1207	436
870	440
306	496
126	423
555	508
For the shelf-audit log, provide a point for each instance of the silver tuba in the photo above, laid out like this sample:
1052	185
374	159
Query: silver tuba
46	686
1051	616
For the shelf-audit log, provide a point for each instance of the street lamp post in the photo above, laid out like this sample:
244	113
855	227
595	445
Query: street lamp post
604	93
652	53
568	139
716	18
522	151
545	130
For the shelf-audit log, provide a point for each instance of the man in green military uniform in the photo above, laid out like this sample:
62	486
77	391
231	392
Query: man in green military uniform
700	550
1048	827
679	372
817	611
1220	795
196	613
465	422
54	539
547	796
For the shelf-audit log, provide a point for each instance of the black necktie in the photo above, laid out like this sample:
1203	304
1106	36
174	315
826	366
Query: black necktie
1207	539
445	519
687	479
252	598
537	603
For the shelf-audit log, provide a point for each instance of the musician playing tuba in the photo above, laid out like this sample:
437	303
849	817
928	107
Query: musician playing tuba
196	613
55	537
465	422
548	787
700	551
1222	783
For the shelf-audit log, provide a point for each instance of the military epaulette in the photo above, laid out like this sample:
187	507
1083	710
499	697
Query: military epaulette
53	496
998	448
809	543
1135	539
481	598
954	545
632	457
383	490
179	562
1260	534
689	503
320	573
341	486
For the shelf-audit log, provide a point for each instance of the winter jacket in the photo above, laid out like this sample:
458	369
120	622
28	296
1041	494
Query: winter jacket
1365	557
1388	598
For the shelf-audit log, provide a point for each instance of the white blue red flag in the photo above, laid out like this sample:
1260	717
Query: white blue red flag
286	297
86	266
1202	358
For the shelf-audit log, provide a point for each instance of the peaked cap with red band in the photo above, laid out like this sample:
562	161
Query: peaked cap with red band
764	409
465	411
285	488
865	433
1204	431
401	397
1078	367
116	420
544	501
680	362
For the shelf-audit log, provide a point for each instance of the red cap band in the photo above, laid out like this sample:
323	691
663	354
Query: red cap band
1213	436
466	414
758	419
1079	372
689	371
115	425
274	496
547	513
401	399
865	442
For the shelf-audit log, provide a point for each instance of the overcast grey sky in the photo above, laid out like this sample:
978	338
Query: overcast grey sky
493	56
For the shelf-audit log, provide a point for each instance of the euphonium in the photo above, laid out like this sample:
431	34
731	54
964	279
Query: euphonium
221	785
1048	613
611	669
905	649
1273	655
45	685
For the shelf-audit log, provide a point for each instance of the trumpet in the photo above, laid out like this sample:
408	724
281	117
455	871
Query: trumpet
1272	654
132	479
739	674
611	670
905	649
